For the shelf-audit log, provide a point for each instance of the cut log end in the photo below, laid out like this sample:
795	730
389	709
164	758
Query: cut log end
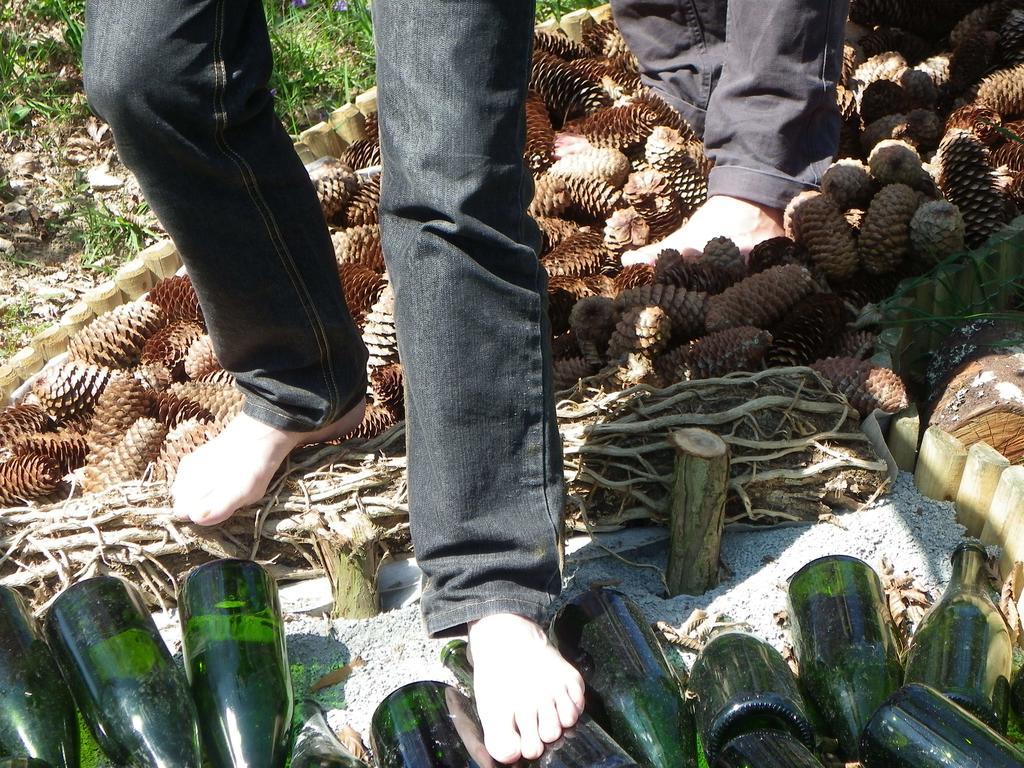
699	442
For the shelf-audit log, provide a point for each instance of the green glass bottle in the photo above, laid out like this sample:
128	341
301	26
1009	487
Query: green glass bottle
316	746
962	648
631	690
428	725
132	695
844	642
233	642
739	684
585	745
918	727
766	749
23	762
37	713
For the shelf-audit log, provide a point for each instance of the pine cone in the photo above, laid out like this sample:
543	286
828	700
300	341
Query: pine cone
568	371
24	478
988	16
361	287
550	196
980	120
686	309
967	181
972	59
774	252
123	402
565	91
70	390
919	88
170	344
724	254
115	338
129	459
364	153
364	204
937	230
883	66
224	401
176	296
334	183
1011	39
593	320
387	385
1011	153
853	57
814	221
359	245
761	299
553	231
865	288
848	182
937	68
379	330
649	192
682	163
1003	91
646	330
617	82
67	449
200	358
155	377
181	440
593	198
921	128
558	44
896	162
854	343
884	39
606	41
376	421
634	276
717	354
599	163
808	332
563	293
866	385
881	98
582	254
540	135
171	410
884	240
625	230
22	420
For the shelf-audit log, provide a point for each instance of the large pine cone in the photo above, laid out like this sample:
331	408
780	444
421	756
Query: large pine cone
717	354
617	82
686	309
176	296
568	371
633	276
387	385
130	457
881	98
967	181
896	162
646	330
921	128
359	245
854	343
980	120
866	385
563	293
937	68
625	230
361	287
724	254
115	338
565	91
70	390
558	44
650	194
814	221
594	198
201	359
919	88
334	183
808	332
123	402
550	196
224	401
888	65
593	320
606	41
171	410
554	230
379	330
607	165
774	252
1010	153
848	182
937	230
582	254
21	420
1003	91
364	205
540	135
68	449
672	268
363	153
972	59
170	344
990	15
181	440
884	240
683	164
760	300
24	478
884	39
376	421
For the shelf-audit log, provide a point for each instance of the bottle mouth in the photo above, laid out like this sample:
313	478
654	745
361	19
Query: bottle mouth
756	712
970	545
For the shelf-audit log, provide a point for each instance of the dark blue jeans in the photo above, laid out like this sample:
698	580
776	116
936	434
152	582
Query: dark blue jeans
183	84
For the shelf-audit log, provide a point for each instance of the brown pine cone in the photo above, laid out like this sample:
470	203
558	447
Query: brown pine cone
968	181
808	332
359	245
565	92
123	402
365	152
171	410
563	293
553	231
593	198
550	196
866	385
1003	91
884	39
761	299
634	276
683	164
129	459
70	390
379	330
22	420
853	57
376	421
984	17
848	182
334	183
734	349
625	230
200	358
568	371
774	252
884	240
919	88
170	344
724	254
599	163
540	135
814	221
66	448
937	68
181	440
364	204
115	338
646	330
865	288
617	82
649	192
558	44
224	401
593	320
24	478
582	254
1011	39
387	384
896	162
921	128
854	343
153	376
645	185
888	65
176	296
686	309
937	231
606	41
1011	153
980	120
361	287
881	98
622	127
972	59
673	269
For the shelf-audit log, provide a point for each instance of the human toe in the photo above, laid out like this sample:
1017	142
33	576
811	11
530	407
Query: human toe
530	743
549	721
500	736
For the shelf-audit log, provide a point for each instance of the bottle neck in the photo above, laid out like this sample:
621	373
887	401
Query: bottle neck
968	570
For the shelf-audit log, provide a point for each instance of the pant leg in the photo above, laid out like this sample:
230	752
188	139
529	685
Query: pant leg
484	454
183	84
772	124
680	45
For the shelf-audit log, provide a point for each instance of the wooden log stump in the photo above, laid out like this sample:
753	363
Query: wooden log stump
134	278
103	298
1008	504
940	465
349	123
27	361
904	433
51	341
161	258
978	485
352	554
698	510
77	317
9	381
323	140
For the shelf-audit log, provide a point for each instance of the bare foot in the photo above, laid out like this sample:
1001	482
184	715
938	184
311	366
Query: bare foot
526	693
744	222
235	468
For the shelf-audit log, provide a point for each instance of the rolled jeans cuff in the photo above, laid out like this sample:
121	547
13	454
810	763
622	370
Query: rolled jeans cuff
262	410
694	116
763	186
451	622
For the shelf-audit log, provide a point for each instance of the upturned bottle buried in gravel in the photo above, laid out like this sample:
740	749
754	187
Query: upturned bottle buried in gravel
316	746
631	690
740	684
846	645
131	694
962	648
428	725
766	749
585	745
920	728
237	663
37	713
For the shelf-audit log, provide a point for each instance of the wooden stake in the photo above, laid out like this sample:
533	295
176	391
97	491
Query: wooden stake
698	510
162	259
548	25
977	486
322	139
9	381
367	102
134	278
28	361
352	555
903	434
601	13
306	155
1006	510
940	465
577	23
76	318
349	123
51	341
103	298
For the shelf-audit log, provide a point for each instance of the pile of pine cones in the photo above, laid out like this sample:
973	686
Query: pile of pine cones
928	164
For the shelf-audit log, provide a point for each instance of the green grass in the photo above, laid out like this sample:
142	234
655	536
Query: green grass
109	237
17	324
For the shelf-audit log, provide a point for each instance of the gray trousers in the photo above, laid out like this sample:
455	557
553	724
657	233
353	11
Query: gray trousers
755	78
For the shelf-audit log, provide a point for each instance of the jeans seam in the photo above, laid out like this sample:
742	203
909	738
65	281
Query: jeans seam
276	241
439	616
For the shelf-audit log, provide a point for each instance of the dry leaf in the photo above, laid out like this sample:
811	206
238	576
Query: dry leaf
352	741
337	676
